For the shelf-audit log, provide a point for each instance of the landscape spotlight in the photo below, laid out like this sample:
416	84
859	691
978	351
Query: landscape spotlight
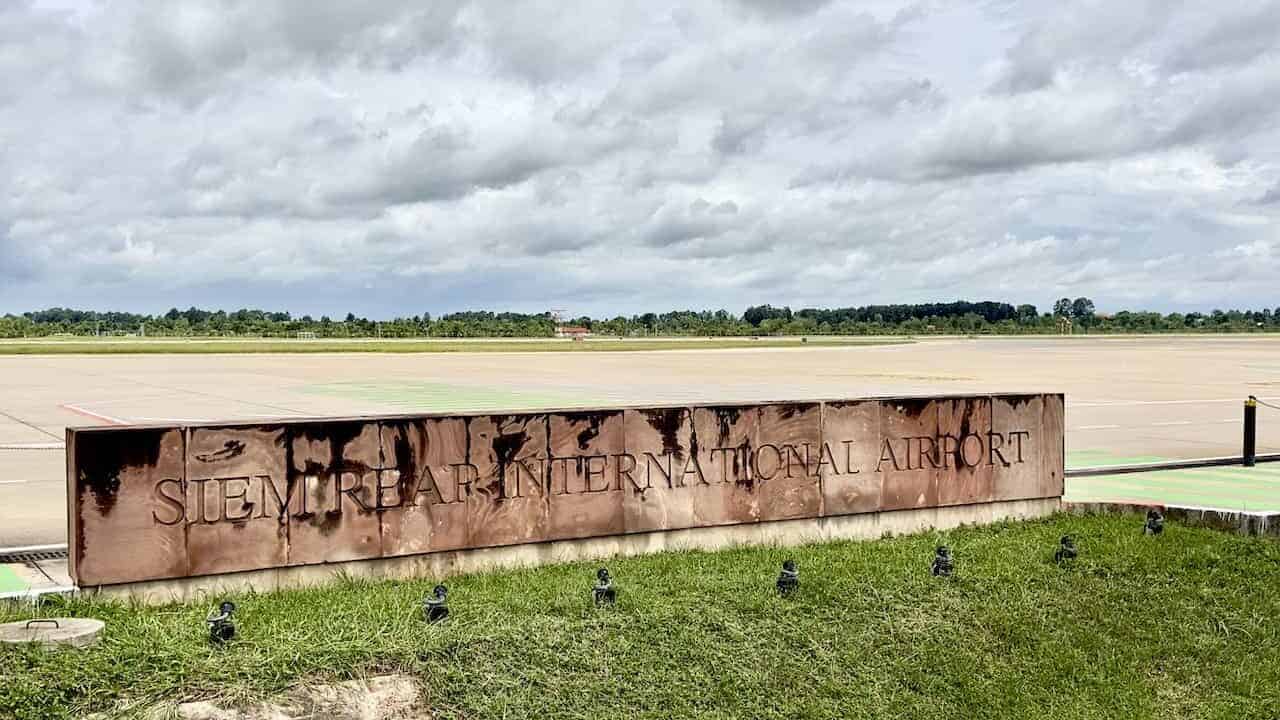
1155	523
789	578
435	608
1066	550
221	629
943	563
603	592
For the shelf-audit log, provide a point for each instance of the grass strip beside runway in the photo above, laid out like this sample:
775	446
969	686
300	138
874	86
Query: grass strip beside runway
246	346
1178	625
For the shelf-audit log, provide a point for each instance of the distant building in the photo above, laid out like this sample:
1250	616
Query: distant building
572	331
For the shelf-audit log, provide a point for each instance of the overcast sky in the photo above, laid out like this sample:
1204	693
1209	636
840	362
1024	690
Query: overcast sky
403	156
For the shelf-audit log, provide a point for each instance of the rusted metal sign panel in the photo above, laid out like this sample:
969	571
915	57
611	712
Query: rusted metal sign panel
165	502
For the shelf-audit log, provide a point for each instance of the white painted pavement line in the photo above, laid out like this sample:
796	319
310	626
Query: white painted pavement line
1116	403
132	398
1171	423
33	446
12	482
231	418
33	426
33	548
37	592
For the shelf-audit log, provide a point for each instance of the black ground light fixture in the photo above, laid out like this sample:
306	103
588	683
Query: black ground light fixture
1066	550
435	607
789	578
603	591
943	564
221	629
1155	523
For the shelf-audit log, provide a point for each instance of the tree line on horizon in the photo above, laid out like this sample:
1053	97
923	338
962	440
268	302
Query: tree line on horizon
961	317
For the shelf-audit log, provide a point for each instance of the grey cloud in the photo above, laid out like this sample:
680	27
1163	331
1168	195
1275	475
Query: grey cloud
1236	105
544	237
188	49
1079	32
890	97
1271	196
998	138
996	134
698	221
516	154
19	265
739	134
762	72
28	41
445	162
1241	32
782	7
1002	135
551	42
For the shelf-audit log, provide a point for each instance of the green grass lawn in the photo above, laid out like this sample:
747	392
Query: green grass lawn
135	346
1184	625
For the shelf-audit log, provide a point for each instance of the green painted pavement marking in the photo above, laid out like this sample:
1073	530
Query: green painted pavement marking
1201	497
1166	496
1189	485
445	396
1270	469
1233	483
1227	488
9	580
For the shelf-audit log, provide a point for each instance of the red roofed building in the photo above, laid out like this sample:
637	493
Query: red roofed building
572	331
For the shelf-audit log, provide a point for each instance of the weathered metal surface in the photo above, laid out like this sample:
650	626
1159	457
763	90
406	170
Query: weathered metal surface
127	504
586	486
851	439
233	519
798	493
967	474
1053	449
909	458
423	485
1015	455
659	442
151	503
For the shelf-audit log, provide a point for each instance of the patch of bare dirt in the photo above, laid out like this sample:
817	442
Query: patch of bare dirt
388	697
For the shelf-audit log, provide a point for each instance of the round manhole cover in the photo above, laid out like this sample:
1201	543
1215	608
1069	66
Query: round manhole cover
53	632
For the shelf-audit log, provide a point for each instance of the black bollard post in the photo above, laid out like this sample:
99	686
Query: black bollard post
1250	430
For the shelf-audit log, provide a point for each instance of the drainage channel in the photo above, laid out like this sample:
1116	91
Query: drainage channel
33	554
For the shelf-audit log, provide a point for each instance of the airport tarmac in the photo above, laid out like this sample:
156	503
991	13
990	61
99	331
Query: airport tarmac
1128	398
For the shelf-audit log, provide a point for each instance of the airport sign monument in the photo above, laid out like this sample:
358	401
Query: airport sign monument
170	502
